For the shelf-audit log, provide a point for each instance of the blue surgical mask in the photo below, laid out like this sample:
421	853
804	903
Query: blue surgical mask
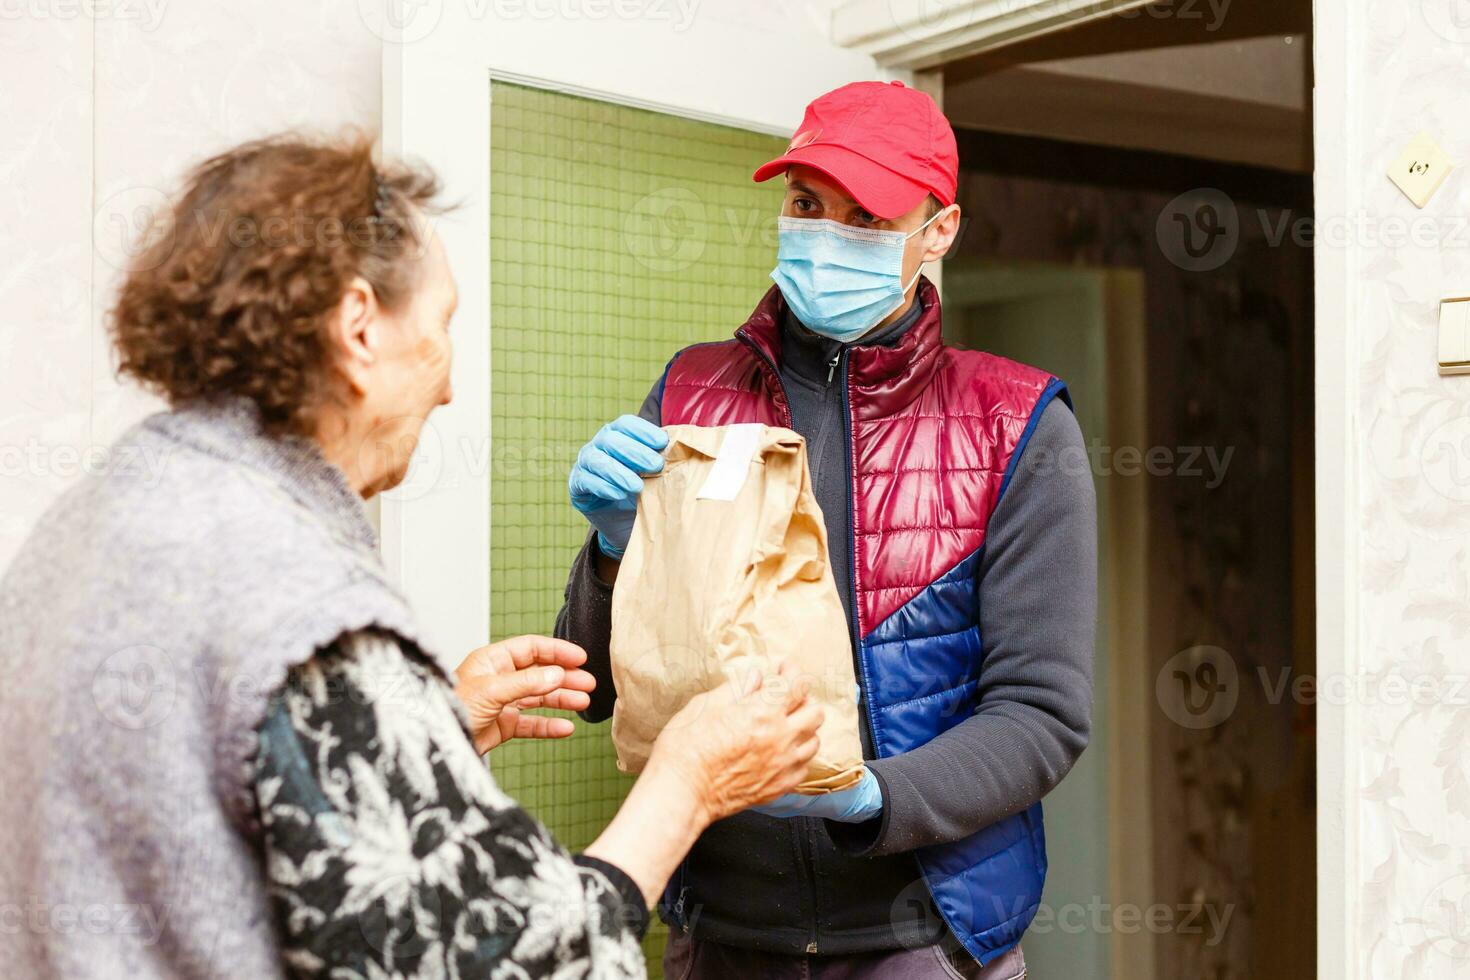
839	280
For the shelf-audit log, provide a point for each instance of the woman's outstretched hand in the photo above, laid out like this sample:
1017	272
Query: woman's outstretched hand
744	743
500	681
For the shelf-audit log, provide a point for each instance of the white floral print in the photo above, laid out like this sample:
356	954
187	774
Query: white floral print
390	852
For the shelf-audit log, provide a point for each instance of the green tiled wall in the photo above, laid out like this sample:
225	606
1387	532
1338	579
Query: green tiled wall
618	236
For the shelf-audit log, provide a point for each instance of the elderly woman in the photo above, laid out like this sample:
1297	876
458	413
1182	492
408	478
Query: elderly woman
227	750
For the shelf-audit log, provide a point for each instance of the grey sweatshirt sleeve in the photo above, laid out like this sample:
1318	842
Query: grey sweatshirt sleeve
586	613
1038	610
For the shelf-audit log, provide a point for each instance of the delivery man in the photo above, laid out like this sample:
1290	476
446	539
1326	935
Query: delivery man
962	532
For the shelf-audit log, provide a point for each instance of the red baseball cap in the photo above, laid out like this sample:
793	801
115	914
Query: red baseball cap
888	145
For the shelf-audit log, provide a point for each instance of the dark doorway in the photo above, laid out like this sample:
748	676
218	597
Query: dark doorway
1185	279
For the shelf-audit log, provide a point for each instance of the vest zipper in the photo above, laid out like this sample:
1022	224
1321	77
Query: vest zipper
798	825
679	919
864	715
832	368
803	848
745	339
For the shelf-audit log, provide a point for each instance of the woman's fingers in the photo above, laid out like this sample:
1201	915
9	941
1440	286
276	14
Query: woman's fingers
793	769
498	682
560	699
805	721
797	696
753	682
579	680
511	723
520	652
526	651
750	745
573	694
490	694
798	685
540	726
806	751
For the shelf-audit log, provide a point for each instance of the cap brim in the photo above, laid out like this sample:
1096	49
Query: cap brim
879	190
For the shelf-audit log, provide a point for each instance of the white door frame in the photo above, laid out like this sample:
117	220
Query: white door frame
1337	31
745	65
921	34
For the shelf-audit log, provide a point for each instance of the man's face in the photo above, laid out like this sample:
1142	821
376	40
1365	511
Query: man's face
812	194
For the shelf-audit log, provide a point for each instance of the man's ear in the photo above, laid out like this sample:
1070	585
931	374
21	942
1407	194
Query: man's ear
356	333
941	234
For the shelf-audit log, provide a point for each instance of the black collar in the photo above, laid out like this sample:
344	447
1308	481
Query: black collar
809	355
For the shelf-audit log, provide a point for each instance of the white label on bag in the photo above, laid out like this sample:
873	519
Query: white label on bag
727	476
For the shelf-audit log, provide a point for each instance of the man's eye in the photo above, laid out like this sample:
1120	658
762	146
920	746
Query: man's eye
866	218
804	205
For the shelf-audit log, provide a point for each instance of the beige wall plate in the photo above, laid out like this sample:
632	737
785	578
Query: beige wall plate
1420	169
1454	335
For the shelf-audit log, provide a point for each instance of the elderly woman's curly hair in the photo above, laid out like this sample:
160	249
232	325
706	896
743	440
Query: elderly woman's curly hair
231	294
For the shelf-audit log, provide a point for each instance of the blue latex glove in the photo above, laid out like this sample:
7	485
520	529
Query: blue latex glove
862	802
608	477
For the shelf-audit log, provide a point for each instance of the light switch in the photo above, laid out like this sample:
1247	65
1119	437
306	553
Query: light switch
1454	335
1420	169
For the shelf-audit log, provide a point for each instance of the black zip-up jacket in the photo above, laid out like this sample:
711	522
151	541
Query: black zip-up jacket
807	885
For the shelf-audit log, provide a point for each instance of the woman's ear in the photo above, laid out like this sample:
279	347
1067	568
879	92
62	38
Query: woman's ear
356	333
941	234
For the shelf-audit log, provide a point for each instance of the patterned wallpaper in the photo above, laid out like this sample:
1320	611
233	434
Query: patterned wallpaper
45	283
1412	434
102	114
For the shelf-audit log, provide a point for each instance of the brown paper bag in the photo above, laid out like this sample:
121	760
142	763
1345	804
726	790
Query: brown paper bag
727	573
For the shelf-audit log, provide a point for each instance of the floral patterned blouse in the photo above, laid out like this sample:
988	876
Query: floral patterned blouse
390	851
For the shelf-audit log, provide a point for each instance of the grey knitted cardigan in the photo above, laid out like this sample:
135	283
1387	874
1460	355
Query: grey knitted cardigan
143	627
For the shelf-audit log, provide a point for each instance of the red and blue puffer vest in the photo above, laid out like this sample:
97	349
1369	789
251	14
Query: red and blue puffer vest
933	434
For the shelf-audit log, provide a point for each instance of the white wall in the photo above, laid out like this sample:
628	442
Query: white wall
748	63
149	87
98	118
1393	484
